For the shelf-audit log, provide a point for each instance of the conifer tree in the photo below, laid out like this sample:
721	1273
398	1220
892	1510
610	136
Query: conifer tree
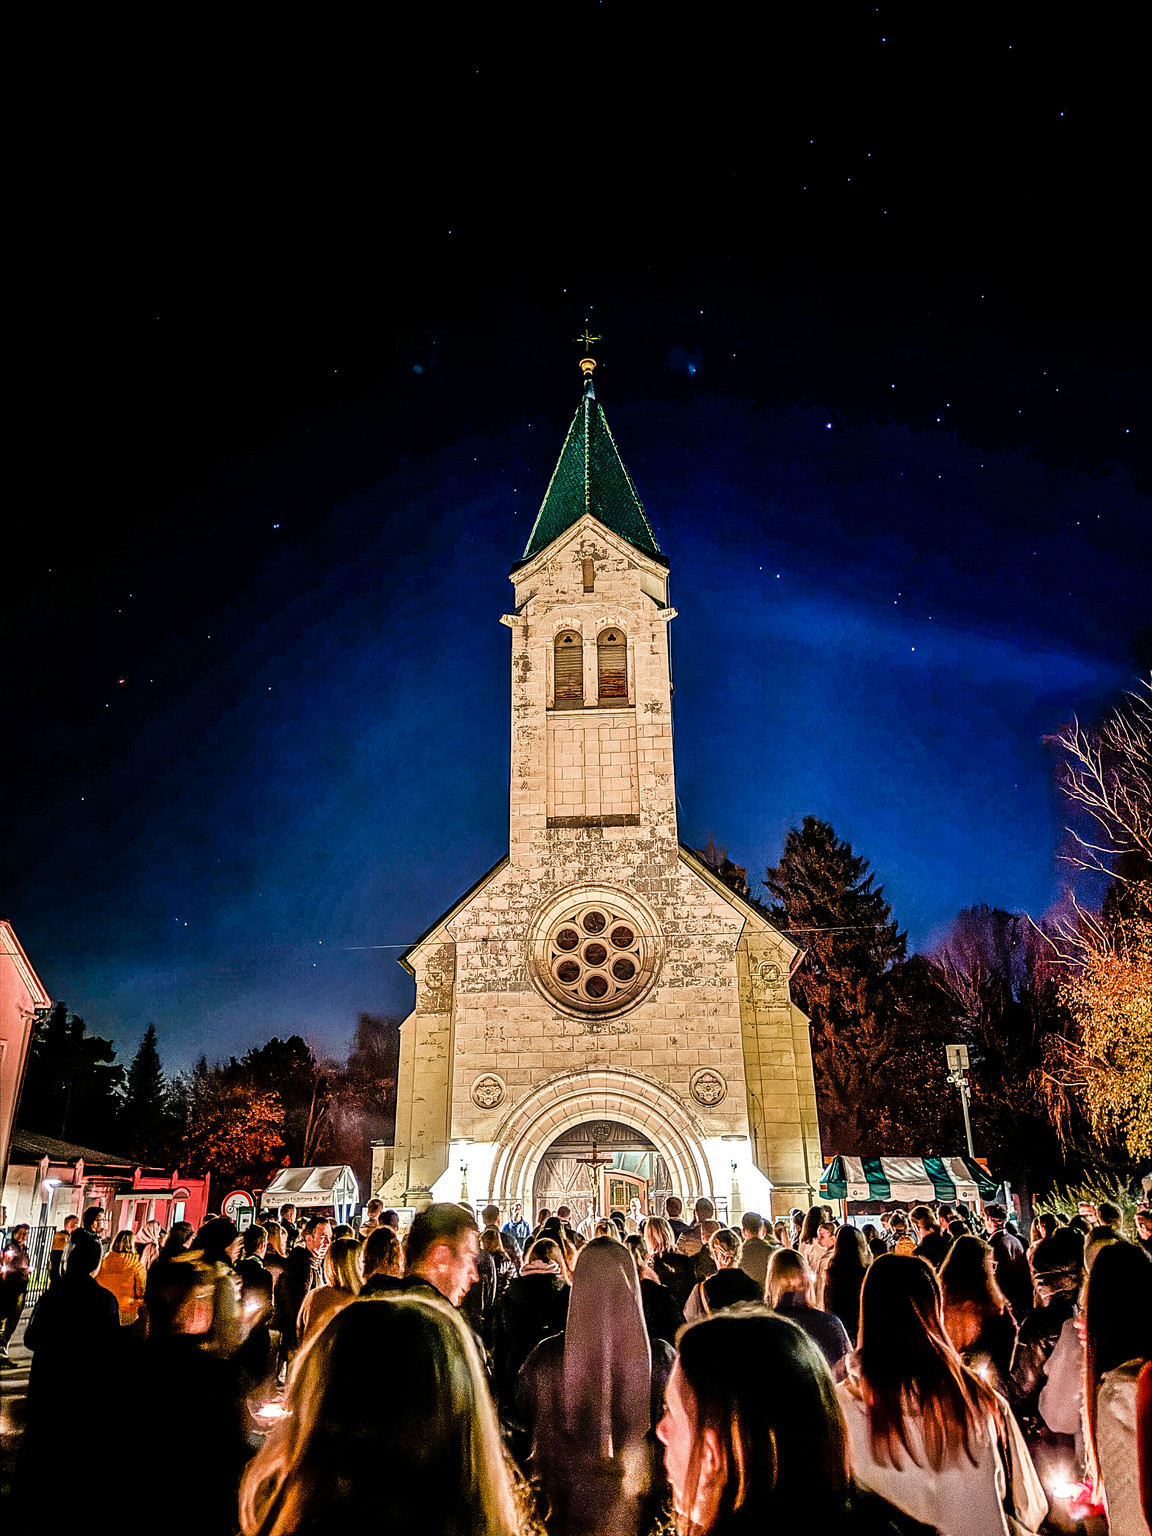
146	1117
827	904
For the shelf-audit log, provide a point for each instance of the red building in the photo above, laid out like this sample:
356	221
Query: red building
48	1180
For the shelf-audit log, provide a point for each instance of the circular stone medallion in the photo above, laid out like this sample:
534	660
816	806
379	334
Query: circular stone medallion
708	1087
593	949
488	1091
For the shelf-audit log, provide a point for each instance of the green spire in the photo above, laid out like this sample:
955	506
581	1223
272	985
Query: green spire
590	477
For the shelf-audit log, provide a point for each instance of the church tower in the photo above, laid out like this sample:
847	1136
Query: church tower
600	991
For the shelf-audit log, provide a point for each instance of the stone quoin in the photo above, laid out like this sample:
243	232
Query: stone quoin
601	978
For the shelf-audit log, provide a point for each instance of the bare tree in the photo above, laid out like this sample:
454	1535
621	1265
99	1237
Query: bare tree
1107	772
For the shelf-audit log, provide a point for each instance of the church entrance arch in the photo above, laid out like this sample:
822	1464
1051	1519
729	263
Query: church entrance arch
559	1107
627	1166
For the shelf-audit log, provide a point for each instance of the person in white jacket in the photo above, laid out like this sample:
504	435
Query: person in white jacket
924	1431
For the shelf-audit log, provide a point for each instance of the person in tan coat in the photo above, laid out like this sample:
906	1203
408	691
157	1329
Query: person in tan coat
123	1274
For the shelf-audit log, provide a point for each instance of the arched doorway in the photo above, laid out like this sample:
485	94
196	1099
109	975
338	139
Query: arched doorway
633	1168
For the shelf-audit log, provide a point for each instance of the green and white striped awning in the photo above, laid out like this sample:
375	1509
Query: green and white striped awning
906	1178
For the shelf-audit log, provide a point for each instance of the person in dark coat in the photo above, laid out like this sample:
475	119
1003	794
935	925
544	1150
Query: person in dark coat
1058	1273
844	1277
675	1271
187	1386
789	1292
534	1306
303	1272
74	1336
14	1273
932	1244
1012	1273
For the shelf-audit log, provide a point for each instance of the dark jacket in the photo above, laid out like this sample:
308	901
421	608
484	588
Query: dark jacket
728	1287
993	1348
825	1330
678	1272
663	1314
532	1307
1012	1273
73	1335
479	1300
179	1394
934	1247
1034	1343
301	1274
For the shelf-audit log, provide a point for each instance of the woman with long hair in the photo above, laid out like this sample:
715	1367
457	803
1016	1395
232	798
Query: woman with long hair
1118	1343
754	1437
844	1275
663	1316
789	1292
925	1431
588	1399
808	1244
123	1274
422	1454
343	1277
977	1317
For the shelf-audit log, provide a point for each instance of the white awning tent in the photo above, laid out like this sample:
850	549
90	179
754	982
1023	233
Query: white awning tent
312	1188
909	1179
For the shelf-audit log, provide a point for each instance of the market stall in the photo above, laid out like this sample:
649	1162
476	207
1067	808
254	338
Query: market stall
907	1180
315	1191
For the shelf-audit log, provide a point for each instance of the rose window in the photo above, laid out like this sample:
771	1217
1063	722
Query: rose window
596	954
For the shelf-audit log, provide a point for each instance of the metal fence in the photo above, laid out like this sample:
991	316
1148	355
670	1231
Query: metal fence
39	1247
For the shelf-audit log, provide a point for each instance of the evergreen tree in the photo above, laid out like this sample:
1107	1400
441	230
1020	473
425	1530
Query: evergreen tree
146	1117
72	1085
827	904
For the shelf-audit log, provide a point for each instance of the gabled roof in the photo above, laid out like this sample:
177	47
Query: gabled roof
28	1147
590	477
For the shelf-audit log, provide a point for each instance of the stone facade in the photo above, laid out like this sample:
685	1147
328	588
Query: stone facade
699	1047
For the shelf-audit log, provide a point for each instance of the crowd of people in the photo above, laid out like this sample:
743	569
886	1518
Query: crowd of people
929	1370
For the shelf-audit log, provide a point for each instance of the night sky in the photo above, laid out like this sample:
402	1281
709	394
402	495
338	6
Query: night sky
294	363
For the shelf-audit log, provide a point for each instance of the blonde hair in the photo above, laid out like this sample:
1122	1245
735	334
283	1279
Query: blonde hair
424	1456
344	1265
788	1274
124	1241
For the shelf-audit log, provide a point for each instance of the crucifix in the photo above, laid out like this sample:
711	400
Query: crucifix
588	341
593	1165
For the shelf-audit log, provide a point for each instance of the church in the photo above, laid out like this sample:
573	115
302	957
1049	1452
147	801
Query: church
600	1019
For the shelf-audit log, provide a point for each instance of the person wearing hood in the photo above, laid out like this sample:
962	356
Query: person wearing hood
149	1241
589	1398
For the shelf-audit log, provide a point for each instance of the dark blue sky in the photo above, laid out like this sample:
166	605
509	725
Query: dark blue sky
868	631
294	359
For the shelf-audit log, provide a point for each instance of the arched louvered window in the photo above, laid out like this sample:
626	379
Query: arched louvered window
568	683
612	665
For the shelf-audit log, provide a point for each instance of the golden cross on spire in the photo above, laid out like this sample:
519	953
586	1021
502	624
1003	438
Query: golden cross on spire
588	341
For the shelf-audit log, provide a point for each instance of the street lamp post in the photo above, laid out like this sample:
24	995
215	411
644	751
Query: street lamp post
957	1058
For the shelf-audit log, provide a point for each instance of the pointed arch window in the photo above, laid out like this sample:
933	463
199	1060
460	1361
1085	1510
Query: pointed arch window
612	666
568	678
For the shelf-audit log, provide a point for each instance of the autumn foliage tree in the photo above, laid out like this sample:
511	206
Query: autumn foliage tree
1106	1063
234	1126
